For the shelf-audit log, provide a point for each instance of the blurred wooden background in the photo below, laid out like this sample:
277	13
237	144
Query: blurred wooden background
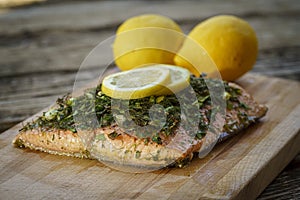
43	44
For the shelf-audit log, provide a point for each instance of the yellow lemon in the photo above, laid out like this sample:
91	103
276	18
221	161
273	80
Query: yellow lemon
180	79
146	39
229	41
159	79
136	83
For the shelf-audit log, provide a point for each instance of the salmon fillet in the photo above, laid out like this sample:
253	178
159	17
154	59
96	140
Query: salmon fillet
55	132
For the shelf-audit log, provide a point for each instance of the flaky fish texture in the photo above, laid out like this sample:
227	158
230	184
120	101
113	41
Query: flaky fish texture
111	143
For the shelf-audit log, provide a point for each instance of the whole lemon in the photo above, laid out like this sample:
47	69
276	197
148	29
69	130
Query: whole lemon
146	39
229	41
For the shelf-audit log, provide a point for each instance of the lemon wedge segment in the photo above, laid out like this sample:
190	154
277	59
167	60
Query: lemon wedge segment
136	83
180	79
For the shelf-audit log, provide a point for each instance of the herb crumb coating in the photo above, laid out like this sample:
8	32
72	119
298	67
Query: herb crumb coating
58	130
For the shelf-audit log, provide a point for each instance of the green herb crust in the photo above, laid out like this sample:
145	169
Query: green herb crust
93	110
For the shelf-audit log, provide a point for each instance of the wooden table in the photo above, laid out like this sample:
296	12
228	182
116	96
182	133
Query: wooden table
43	45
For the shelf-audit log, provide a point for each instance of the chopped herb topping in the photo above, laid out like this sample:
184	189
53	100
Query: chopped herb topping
138	154
94	103
113	135
100	137
200	134
156	139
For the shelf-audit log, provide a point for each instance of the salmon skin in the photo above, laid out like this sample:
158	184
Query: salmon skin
95	129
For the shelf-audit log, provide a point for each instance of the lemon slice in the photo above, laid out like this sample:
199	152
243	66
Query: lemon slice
136	83
180	79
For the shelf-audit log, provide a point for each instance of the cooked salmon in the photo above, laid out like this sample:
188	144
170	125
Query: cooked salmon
56	131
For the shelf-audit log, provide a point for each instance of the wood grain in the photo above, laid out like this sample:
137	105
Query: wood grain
236	169
42	46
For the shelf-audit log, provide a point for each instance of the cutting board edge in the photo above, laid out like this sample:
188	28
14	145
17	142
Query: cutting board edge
280	160
247	191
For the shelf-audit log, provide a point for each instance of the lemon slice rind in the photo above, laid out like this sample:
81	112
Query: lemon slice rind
180	79
136	83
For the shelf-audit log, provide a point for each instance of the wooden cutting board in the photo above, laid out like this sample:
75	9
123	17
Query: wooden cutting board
239	168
